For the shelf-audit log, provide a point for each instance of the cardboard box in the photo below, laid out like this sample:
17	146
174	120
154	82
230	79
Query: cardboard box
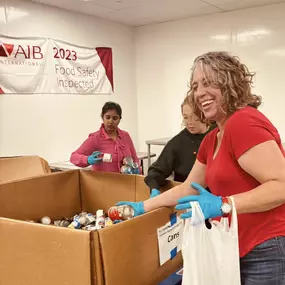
173	279
35	254
13	168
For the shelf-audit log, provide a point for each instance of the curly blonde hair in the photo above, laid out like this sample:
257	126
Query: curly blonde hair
231	76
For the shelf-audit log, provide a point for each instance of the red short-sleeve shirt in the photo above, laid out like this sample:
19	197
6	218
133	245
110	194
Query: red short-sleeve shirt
245	129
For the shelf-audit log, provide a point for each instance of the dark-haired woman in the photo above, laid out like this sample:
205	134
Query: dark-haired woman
109	140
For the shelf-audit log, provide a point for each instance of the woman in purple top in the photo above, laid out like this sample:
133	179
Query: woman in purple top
109	139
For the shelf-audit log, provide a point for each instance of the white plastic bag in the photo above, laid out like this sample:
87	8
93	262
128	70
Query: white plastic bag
211	256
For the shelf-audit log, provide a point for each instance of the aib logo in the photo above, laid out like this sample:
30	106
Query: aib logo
20	51
6	49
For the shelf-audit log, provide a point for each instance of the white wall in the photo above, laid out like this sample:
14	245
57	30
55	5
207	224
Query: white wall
54	125
157	57
165	53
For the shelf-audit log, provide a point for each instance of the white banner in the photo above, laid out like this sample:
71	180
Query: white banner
41	66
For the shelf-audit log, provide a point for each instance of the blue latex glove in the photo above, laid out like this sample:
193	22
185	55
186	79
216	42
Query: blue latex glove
137	206
135	171
94	158
209	203
154	193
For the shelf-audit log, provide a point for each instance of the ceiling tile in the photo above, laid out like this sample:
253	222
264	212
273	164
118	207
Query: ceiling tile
121	4
229	5
167	10
128	19
78	6
217	2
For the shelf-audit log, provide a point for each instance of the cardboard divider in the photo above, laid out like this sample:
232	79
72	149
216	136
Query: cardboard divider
55	195
103	190
130	254
43	255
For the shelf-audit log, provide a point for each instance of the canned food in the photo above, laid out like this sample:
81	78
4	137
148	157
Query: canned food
90	228
128	161
83	221
106	157
108	222
100	219
75	225
62	223
46	220
123	212
77	216
90	218
135	165
126	169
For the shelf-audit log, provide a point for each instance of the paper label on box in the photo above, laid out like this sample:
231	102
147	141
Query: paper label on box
169	240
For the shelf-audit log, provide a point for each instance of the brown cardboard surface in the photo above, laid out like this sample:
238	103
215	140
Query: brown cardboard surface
96	260
33	254
45	166
101	190
14	168
96	186
55	195
130	251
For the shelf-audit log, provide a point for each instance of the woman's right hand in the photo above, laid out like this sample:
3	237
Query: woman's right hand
94	158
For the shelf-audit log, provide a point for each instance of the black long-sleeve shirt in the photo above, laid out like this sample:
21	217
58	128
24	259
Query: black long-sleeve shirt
178	156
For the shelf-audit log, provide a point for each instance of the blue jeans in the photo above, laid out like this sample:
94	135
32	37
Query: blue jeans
265	264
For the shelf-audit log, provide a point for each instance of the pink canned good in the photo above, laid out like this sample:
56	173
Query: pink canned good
123	212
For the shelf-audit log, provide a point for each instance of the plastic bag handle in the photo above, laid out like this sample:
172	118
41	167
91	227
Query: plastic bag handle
197	214
234	220
198	217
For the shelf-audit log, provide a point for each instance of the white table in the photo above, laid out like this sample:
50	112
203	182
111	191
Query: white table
67	165
161	141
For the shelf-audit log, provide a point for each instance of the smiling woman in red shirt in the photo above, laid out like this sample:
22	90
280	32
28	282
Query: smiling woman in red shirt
243	158
109	139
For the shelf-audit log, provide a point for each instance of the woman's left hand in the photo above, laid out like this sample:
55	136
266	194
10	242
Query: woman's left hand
209	203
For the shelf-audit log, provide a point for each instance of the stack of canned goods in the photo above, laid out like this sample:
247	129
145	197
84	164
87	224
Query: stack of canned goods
83	220
87	221
129	166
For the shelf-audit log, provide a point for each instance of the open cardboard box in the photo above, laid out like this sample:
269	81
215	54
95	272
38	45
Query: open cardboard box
18	167
36	254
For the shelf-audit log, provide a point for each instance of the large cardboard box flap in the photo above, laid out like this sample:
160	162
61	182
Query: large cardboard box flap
35	254
56	195
102	190
13	168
